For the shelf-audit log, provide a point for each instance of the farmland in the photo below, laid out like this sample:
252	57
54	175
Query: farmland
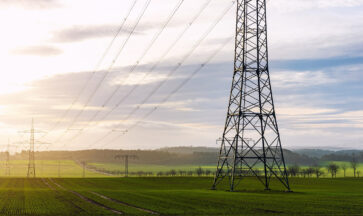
177	196
47	168
134	168
71	169
60	190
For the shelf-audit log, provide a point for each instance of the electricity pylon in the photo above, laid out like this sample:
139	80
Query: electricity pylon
59	171
31	162
7	158
84	163
126	157
251	145
7	162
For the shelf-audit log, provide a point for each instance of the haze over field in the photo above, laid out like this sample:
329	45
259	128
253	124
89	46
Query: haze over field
50	49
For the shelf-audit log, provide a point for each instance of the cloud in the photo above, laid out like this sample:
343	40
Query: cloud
297	79
309	111
307	29
322	46
297	5
80	33
296	111
41	50
137	78
31	4
318	64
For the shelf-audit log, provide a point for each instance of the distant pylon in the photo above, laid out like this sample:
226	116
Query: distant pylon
126	157
59	169
31	163
84	168
32	141
7	162
251	145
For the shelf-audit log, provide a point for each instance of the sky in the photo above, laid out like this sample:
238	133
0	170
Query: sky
165	80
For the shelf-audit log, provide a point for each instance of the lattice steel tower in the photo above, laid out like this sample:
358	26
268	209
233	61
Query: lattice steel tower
251	145
31	163
7	161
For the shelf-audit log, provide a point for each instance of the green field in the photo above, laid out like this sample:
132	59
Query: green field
47	168
177	196
164	168
70	169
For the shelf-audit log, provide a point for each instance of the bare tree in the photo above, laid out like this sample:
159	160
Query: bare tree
317	171
310	171
333	169
304	172
172	172
182	172
354	164
344	167
293	170
358	173
199	171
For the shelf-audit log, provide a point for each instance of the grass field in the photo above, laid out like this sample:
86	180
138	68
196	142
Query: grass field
47	168
70	169
212	167
177	196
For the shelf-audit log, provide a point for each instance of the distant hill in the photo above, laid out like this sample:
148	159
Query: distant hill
295	158
349	152
209	154
346	155
188	149
318	153
184	155
324	154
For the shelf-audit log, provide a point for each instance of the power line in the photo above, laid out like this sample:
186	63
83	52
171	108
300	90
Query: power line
107	71
94	70
156	36
155	65
175	90
151	93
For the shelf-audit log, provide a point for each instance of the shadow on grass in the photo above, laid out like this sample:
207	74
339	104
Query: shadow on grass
259	191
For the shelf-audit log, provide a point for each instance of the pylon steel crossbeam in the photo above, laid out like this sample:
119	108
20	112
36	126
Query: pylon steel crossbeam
251	145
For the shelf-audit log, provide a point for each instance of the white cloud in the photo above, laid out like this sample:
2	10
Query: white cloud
301	111
78	106
40	50
297	5
31	4
288	79
140	78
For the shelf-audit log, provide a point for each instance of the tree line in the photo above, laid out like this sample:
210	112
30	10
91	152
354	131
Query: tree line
316	170
172	172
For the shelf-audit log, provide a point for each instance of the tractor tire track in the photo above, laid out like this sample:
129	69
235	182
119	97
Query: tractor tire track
94	170
48	185
87	199
125	204
61	197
